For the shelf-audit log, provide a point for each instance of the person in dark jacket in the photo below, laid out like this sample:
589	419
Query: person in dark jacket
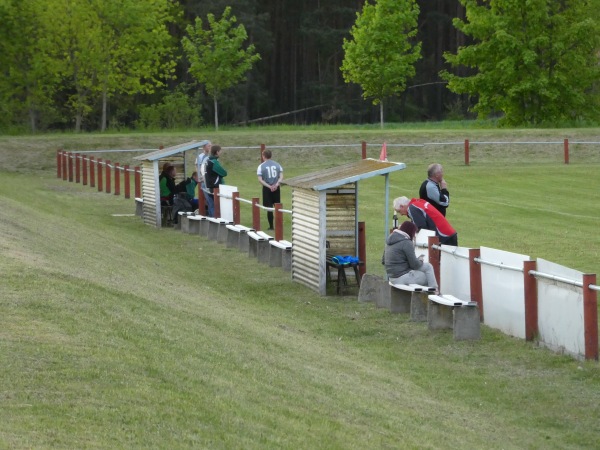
435	189
401	263
215	175
166	182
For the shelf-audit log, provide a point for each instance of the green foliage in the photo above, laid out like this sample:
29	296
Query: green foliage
216	55
535	61
381	55
175	112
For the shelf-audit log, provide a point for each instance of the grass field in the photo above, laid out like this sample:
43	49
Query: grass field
117	335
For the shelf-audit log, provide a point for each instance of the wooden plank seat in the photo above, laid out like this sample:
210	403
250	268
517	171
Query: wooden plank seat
341	280
410	298
462	316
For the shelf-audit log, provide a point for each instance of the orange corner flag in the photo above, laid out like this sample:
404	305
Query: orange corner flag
383	154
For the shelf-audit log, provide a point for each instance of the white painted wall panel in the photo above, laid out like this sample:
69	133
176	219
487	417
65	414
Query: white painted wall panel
503	292
560	309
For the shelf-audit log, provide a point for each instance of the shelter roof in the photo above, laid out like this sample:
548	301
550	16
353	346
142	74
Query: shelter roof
340	175
169	151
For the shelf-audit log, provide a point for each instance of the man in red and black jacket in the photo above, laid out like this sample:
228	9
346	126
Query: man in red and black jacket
424	215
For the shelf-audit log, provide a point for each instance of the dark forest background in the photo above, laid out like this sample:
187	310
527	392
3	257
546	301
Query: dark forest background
298	79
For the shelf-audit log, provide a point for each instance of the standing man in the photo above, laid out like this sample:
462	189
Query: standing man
270	175
434	189
201	169
424	215
214	176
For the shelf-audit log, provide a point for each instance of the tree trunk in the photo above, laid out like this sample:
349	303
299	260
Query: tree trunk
78	120
104	102
216	113
32	119
381	114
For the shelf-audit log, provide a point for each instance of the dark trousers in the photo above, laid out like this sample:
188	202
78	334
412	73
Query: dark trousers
269	199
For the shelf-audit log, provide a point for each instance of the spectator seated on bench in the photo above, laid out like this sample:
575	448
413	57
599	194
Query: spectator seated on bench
401	263
447	311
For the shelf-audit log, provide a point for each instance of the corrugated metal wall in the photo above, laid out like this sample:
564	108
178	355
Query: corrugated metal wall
150	194
308	253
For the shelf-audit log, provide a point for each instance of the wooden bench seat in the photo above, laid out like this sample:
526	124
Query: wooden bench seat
341	280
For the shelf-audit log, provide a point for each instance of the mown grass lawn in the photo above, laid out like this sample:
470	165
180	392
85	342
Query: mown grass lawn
117	335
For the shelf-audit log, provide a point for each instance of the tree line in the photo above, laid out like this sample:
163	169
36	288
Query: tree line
113	64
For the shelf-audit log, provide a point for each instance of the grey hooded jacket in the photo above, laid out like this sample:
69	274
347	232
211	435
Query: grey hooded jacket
399	255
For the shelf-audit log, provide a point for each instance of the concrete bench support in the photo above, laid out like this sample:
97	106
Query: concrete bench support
217	229
416	303
254	240
371	288
139	206
447	311
280	254
236	234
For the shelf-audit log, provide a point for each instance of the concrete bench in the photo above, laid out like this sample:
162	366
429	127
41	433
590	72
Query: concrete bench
258	246
139	206
194	221
410	298
447	311
280	254
217	229
179	225
237	236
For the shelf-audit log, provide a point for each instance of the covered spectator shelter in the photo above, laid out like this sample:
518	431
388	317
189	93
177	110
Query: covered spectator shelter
324	211
152	164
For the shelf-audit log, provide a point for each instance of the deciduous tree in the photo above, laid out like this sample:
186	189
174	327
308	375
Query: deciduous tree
534	61
216	55
381	55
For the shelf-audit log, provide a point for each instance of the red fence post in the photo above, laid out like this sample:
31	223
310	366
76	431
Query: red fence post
127	181
566	149
364	149
236	207
434	258
58	163
108	180
138	182
77	168
255	214
466	152
84	169
278	222
99	174
92	172
70	156
475	279
531	300
362	249
117	179
64	166
217	201
590	317
262	149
